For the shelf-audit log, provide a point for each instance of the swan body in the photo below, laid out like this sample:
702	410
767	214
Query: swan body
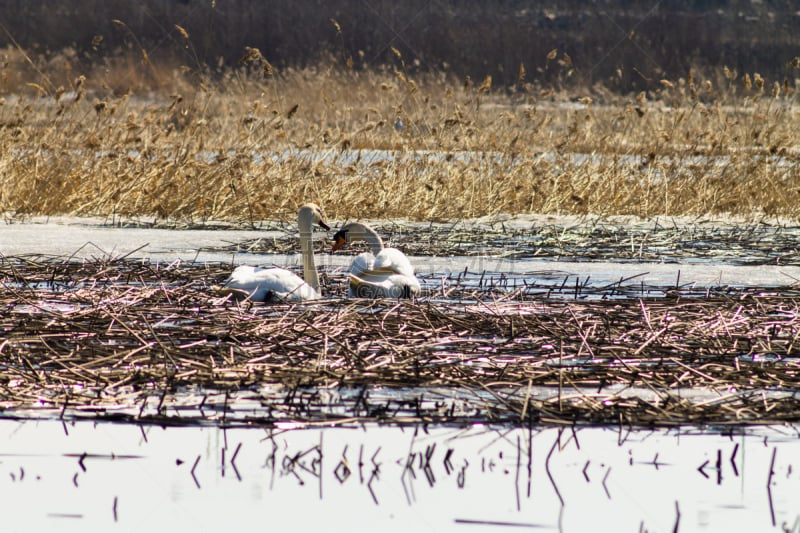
272	285
384	273
260	284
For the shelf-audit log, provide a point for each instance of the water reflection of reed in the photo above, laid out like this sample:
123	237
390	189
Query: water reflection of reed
522	475
139	340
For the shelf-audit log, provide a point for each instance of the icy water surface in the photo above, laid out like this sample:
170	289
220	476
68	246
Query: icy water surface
753	256
86	476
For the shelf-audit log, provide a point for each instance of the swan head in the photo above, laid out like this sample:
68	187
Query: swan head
354	232
311	214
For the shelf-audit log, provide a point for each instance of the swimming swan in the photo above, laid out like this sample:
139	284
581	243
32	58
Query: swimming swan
384	273
260	284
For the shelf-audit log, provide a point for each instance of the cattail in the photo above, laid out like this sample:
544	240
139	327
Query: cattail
80	81
253	55
747	83
758	80
728	74
552	54
182	31
39	89
486	85
521	73
336	25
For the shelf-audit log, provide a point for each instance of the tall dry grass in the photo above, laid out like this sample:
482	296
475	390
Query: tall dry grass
247	144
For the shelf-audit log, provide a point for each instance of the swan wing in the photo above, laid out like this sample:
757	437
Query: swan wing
383	283
268	285
394	259
386	275
363	262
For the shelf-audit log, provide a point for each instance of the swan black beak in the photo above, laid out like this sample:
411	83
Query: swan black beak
338	241
323	225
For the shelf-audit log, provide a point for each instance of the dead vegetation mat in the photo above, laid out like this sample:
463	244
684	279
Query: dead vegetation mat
135	340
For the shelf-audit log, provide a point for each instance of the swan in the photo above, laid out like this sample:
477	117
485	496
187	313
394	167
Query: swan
384	273
260	284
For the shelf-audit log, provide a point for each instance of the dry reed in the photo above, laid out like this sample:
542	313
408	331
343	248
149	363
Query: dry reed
386	145
141	341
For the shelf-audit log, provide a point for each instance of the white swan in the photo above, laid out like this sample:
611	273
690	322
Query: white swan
260	284
384	273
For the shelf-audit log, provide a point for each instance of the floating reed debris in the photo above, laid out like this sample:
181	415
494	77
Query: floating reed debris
136	340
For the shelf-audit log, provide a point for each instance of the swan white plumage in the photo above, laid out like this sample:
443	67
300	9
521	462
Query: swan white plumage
384	273
260	284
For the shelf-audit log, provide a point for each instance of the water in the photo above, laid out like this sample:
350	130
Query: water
86	476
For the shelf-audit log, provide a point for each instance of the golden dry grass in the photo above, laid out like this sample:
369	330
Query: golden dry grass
240	146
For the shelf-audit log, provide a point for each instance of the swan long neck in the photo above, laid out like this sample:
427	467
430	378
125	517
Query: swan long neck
305	223
372	238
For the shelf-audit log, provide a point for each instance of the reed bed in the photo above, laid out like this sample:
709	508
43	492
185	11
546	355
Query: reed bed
134	340
243	147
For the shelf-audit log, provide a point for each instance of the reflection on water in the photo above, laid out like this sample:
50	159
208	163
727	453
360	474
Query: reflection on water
86	476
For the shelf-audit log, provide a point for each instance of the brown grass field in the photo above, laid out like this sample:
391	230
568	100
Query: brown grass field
180	146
